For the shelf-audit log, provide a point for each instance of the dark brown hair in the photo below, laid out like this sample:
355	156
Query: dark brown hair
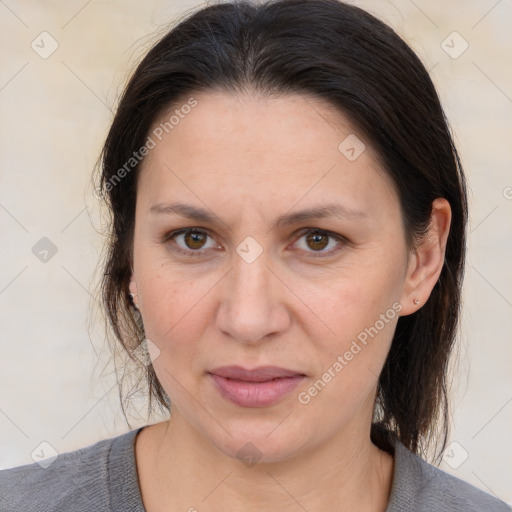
360	66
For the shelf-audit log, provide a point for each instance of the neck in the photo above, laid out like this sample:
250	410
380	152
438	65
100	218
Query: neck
178	465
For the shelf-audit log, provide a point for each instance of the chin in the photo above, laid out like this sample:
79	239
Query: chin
259	445
257	451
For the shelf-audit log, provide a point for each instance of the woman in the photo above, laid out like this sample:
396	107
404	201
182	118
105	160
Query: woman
288	239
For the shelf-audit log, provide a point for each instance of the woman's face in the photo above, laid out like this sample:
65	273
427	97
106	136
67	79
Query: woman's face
255	285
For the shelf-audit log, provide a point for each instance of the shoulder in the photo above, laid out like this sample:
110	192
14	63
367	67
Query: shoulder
80	480
418	485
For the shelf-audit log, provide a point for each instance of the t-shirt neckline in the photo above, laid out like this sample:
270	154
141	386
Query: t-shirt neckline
124	486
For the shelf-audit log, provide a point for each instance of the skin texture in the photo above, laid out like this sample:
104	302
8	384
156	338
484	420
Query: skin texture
249	159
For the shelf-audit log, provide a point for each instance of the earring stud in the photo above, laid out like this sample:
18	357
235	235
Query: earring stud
133	302
416	301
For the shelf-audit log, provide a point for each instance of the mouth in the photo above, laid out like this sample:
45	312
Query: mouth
261	387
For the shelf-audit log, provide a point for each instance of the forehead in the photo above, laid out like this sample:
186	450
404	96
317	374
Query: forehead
292	126
279	149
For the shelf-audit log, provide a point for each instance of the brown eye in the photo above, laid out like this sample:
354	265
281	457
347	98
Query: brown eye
317	240
190	242
195	239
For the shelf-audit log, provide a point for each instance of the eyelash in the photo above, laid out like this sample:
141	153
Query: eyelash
191	253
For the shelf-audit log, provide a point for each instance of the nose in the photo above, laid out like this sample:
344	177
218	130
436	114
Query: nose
253	302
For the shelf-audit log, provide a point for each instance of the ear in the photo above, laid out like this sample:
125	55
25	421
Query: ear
427	259
133	289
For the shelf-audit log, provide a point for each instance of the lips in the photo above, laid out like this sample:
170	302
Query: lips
261	387
261	374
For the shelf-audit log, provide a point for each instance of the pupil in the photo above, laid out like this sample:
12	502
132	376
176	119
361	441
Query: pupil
315	238
195	238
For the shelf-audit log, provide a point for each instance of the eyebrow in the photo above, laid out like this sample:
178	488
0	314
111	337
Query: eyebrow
202	215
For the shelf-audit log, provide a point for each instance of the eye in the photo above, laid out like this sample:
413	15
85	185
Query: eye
193	241
318	239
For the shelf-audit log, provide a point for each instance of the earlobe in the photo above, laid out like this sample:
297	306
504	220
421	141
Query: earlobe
426	262
133	285
133	290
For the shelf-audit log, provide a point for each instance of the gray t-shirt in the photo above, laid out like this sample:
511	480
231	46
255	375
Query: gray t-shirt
103	477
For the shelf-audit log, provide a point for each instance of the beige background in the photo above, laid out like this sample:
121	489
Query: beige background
55	112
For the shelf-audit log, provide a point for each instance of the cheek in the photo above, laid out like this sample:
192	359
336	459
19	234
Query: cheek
174	310
168	305
172	320
345	305
360	311
167	292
